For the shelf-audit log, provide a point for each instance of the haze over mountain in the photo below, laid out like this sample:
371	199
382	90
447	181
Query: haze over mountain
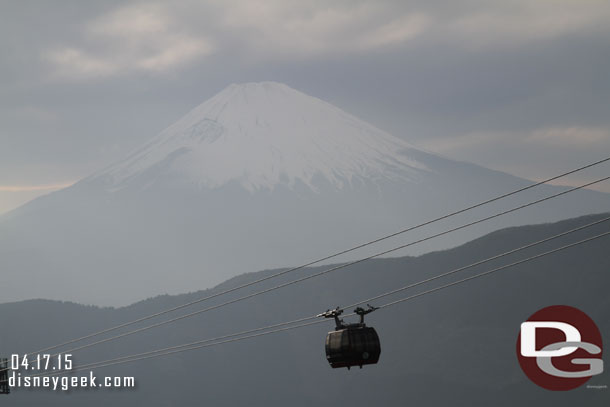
259	176
262	136
455	347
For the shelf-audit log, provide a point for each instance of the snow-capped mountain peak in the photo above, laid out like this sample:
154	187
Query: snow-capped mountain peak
193	208
261	135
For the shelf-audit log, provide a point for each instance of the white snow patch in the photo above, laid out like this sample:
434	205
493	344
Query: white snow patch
265	134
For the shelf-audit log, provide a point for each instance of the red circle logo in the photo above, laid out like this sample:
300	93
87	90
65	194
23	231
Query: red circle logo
560	348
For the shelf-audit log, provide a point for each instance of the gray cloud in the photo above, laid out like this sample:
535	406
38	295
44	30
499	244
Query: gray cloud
85	82
140	37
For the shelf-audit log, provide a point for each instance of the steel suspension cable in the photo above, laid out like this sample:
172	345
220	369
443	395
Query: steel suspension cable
239	299
377	240
275	328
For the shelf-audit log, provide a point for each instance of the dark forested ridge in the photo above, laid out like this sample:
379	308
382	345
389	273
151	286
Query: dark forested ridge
453	347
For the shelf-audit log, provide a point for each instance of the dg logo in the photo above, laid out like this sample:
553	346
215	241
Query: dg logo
560	348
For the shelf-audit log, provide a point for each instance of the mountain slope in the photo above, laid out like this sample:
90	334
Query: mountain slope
259	176
453	347
261	135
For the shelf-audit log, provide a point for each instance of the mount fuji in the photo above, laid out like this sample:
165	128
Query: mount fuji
259	176
262	136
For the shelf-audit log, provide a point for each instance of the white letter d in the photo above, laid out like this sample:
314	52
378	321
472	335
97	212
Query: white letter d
528	338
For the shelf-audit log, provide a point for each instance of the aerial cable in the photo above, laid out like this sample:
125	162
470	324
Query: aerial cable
277	327
497	198
516	263
478	263
323	272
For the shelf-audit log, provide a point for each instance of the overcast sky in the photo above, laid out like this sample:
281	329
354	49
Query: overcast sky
518	86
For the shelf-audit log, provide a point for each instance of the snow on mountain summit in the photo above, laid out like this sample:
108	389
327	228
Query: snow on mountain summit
224	191
262	135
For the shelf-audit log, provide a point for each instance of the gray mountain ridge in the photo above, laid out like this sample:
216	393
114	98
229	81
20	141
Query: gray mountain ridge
453	347
279	179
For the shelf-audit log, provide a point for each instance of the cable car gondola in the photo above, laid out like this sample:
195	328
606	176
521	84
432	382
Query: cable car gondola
351	344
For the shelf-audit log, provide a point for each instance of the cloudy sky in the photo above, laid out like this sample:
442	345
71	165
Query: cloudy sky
520	86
